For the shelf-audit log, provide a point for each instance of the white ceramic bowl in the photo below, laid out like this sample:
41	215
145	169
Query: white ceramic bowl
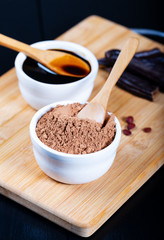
38	94
72	168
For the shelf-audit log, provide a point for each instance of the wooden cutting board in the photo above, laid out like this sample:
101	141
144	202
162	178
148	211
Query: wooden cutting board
81	209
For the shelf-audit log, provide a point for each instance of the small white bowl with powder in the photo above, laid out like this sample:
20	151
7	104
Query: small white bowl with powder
90	161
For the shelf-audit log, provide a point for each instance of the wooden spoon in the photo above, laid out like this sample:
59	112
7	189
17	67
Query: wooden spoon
96	109
60	62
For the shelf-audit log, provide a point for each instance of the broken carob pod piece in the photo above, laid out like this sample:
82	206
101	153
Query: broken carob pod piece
110	58
149	67
149	54
155	52
138	86
103	63
152	69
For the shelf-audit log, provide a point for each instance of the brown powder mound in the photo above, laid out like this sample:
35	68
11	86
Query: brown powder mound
61	130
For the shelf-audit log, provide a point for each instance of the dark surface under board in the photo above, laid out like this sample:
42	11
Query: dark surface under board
37	20
140	218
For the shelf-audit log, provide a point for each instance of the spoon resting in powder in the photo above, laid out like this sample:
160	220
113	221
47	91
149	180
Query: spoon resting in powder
60	62
96	108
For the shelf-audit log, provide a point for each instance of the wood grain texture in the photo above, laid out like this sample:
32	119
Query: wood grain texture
81	209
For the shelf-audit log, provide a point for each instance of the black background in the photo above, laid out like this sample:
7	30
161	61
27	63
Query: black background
35	20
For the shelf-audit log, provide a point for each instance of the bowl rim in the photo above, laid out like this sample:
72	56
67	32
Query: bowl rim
21	57
45	109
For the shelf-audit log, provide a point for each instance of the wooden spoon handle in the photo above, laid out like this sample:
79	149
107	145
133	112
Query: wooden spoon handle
121	63
18	46
39	55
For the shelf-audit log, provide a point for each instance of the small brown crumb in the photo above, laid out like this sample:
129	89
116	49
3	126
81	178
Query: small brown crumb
126	132
147	129
129	119
131	126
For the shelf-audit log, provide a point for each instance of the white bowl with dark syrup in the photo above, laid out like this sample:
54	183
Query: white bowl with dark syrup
39	86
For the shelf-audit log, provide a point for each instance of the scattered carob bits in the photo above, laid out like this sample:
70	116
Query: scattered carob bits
130	125
144	75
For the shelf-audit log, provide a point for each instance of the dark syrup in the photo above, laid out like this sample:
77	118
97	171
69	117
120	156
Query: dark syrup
33	70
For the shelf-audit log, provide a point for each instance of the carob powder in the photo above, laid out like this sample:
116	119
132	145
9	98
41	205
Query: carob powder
60	129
